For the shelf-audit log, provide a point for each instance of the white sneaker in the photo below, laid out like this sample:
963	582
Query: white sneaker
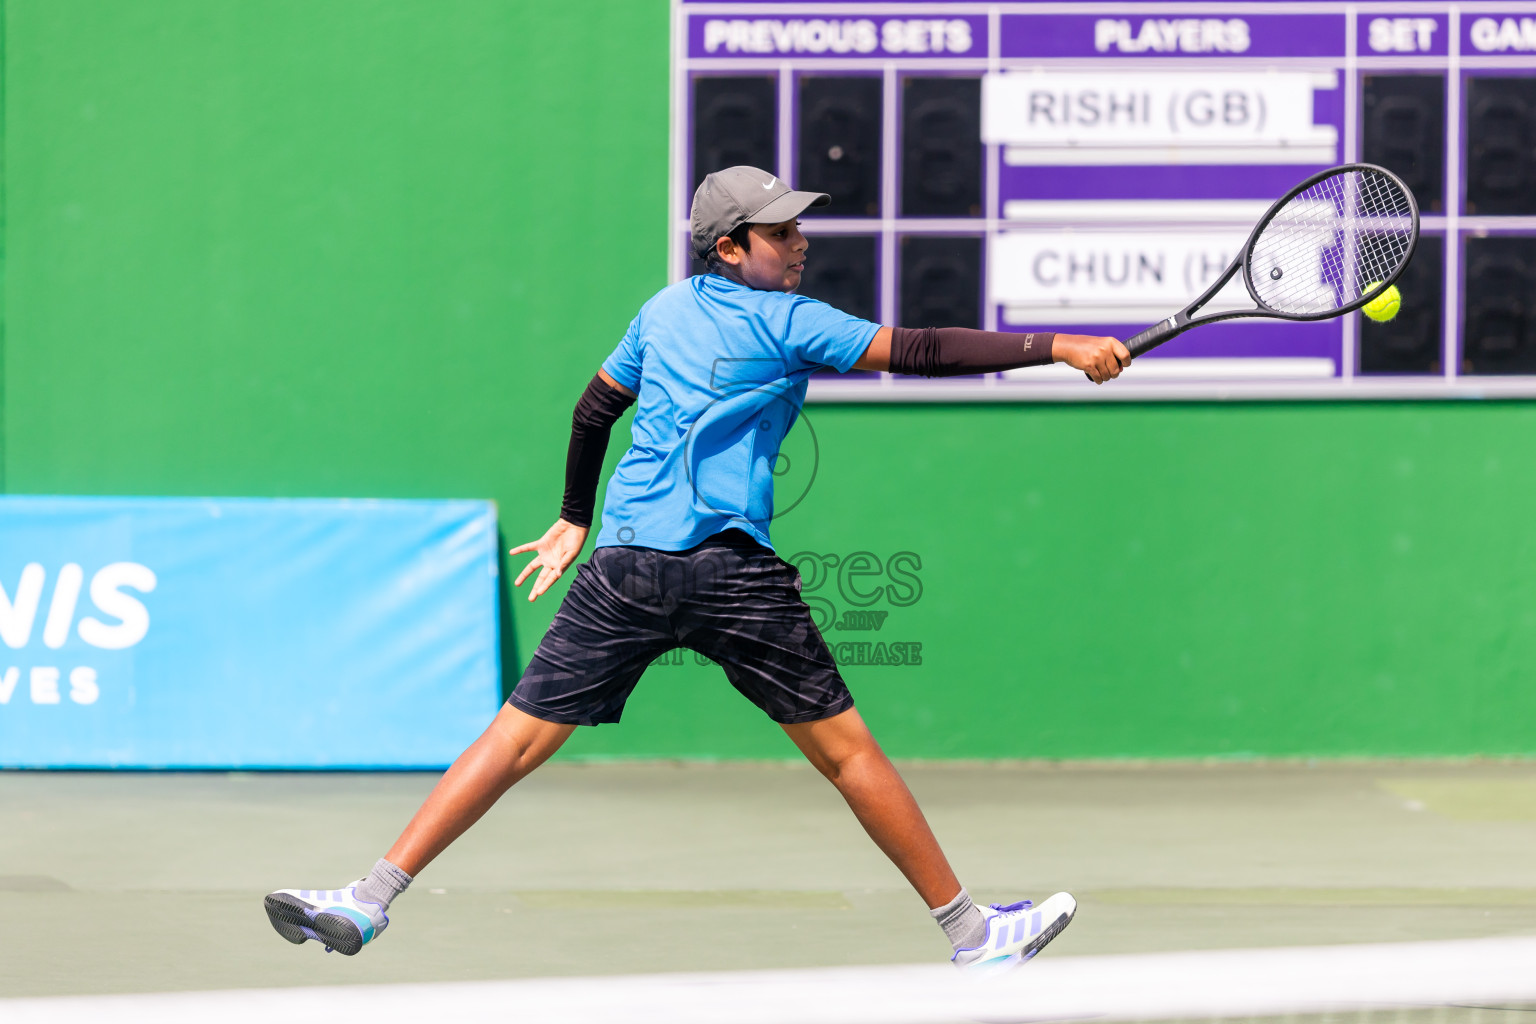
335	918
1016	932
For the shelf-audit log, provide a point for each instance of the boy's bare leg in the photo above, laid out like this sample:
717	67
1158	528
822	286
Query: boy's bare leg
842	749
512	746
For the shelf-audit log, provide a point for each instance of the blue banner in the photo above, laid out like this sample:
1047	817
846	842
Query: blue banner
190	633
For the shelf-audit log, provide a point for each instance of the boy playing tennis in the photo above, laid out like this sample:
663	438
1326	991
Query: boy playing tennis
719	365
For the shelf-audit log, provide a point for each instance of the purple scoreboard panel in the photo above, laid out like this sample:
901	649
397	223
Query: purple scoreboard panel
1090	167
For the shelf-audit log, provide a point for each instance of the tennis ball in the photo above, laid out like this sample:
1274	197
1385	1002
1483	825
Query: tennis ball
1384	306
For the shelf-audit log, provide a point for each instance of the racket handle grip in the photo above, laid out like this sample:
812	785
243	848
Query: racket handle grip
1154	336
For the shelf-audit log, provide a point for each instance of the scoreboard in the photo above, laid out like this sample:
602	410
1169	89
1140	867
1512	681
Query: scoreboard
1091	167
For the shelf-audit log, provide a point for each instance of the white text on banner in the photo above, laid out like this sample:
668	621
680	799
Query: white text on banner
1108	277
1052	117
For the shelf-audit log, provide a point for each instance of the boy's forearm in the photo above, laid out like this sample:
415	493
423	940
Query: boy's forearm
950	351
598	409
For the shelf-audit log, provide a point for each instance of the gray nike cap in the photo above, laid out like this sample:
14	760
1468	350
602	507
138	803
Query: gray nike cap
743	195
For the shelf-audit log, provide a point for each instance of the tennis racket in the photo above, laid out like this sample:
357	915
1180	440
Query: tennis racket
1329	246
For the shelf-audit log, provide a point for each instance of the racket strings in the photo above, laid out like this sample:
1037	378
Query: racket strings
1331	243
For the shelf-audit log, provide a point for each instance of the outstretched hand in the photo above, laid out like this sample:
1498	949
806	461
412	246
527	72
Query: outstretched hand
556	550
1101	359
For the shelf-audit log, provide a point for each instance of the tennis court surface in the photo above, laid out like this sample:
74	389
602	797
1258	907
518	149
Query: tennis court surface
643	869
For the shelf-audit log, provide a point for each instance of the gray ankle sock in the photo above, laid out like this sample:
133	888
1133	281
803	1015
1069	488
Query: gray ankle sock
384	883
963	924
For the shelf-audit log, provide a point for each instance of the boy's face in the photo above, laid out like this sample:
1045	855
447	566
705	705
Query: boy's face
776	259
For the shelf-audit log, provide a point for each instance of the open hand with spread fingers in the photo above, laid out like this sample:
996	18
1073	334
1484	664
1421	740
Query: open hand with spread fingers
555	551
1101	359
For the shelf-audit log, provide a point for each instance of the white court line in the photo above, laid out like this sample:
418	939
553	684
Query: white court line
1224	983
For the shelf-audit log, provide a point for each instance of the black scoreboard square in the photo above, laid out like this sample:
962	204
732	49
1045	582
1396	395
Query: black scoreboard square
1500	334
1414	341
940	281
734	122
941	147
840	271
1501	145
840	121
1404	131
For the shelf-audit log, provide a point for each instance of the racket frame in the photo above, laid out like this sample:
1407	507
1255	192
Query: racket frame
1182	321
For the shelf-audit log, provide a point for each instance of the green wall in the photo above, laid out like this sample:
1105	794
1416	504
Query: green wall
289	247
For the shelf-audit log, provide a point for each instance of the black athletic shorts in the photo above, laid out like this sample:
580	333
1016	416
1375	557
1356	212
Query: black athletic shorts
730	599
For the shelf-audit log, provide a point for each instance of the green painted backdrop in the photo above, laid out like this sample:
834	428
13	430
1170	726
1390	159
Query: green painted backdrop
377	247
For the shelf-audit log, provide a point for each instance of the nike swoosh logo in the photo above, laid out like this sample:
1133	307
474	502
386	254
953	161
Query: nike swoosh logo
771	182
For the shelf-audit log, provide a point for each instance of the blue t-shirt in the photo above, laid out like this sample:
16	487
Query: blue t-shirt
720	370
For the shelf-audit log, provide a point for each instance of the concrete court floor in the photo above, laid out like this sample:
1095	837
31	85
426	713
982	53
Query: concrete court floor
144	882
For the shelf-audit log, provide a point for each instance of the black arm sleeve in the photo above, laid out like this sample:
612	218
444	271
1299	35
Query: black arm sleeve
597	411
948	351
